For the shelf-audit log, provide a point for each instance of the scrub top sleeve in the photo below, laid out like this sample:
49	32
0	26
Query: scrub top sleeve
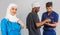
56	18
3	27
28	20
27	23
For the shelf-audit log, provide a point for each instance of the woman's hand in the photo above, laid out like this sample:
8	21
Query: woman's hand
21	23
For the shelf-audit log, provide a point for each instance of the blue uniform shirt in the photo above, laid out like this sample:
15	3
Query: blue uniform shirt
10	28
53	16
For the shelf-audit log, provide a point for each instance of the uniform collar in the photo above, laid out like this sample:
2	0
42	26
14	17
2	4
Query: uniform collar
50	13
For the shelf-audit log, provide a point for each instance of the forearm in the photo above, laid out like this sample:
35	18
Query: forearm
52	25
40	23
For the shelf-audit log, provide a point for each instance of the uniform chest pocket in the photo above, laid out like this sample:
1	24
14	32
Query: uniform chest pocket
52	19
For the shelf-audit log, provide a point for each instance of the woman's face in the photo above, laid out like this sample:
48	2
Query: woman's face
13	10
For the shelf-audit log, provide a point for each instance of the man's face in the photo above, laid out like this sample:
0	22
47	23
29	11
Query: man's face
37	9
49	9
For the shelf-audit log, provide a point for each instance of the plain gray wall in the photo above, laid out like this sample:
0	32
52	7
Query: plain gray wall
24	7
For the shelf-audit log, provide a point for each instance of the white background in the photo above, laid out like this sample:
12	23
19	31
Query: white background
24	7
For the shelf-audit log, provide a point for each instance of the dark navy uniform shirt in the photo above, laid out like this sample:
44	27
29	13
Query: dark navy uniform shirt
54	18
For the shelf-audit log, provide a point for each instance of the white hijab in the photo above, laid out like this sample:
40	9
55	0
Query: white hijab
9	16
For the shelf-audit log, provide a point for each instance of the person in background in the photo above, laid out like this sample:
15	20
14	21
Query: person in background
49	27
32	21
11	25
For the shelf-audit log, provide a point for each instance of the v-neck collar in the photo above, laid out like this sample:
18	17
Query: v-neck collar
50	13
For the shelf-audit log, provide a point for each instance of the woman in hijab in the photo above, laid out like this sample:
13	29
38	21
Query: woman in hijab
11	25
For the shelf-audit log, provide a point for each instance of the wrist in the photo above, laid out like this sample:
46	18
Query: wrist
49	24
45	21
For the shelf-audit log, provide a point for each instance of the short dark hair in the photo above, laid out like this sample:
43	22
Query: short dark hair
48	4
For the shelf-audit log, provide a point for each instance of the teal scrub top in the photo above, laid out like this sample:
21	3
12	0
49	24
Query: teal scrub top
10	28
